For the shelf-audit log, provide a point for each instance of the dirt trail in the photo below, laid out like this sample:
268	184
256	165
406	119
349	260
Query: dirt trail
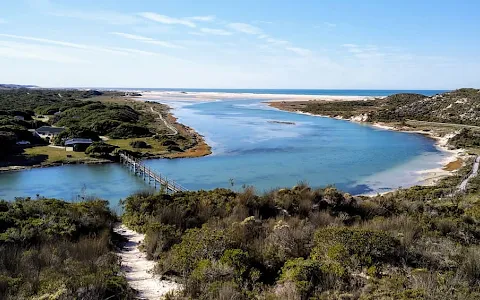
138	269
463	185
169	126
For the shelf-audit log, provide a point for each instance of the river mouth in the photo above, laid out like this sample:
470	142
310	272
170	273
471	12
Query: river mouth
253	145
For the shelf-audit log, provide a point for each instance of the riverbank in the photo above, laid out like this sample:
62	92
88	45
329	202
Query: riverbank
428	177
91	161
186	142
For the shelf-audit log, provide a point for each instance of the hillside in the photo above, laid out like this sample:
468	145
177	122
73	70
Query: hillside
459	107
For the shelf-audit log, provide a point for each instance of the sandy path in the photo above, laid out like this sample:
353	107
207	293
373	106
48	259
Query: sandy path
463	185
138	268
173	129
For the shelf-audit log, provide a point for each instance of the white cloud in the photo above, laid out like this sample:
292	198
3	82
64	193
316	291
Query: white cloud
58	43
109	17
196	33
245	28
166	19
331	25
202	18
215	31
135	51
35	52
300	51
3	21
146	40
276	41
112	50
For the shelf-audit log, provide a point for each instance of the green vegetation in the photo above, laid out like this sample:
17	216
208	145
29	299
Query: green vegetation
305	243
466	138
51	249
84	114
460	107
100	149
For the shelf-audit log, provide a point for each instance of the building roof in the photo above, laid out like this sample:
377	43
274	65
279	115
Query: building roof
78	141
49	129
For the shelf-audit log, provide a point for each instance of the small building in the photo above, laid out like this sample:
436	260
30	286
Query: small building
19	118
78	144
48	131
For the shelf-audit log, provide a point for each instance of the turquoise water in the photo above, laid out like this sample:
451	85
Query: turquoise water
249	149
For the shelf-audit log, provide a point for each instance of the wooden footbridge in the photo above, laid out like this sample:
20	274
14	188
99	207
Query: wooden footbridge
146	173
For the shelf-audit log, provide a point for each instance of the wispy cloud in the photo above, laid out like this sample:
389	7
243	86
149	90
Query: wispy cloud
328	24
111	50
300	51
55	42
245	28
145	39
166	19
109	17
215	31
202	18
3	21
36	52
262	22
276	41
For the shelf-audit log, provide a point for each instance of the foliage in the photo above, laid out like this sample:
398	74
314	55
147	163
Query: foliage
54	249
100	149
466	138
304	243
140	144
460	106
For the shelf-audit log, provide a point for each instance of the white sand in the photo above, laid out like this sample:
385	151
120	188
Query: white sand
430	177
214	96
138	269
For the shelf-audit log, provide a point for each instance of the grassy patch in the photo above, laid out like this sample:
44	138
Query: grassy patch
56	155
156	147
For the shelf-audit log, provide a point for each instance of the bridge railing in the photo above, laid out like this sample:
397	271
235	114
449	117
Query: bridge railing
140	168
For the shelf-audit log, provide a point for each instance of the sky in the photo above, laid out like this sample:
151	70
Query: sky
277	44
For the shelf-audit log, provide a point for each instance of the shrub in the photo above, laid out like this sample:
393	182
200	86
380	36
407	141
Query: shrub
140	144
100	149
352	247
127	130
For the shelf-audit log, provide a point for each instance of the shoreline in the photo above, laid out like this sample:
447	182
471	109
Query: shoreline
427	177
199	149
214	96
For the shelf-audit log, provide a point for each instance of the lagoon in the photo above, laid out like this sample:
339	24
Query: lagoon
256	145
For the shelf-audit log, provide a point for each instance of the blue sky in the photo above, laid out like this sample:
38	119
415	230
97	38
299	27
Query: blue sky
369	44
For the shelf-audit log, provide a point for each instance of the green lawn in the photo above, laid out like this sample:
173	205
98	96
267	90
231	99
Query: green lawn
56	155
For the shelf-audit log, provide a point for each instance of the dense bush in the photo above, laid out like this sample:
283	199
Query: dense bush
52	249
140	144
304	243
100	149
466	138
126	130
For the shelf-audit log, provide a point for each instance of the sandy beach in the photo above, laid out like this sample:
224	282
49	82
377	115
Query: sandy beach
215	96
